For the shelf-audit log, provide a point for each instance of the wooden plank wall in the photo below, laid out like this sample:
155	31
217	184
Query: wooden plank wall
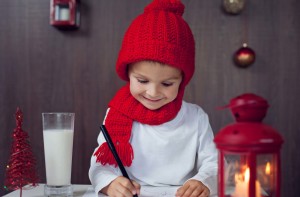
43	69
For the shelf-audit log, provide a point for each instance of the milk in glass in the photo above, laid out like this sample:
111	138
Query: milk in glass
58	145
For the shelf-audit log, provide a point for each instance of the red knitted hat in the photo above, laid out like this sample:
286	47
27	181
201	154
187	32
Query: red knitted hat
159	34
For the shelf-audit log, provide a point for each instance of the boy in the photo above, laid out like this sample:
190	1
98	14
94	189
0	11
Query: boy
161	139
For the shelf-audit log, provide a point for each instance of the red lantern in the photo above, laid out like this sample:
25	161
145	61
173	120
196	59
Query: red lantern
64	13
249	151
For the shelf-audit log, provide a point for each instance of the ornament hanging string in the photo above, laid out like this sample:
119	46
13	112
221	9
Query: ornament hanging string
244	56
245	28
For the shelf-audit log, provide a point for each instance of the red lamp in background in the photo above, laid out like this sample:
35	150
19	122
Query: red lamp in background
64	13
249	151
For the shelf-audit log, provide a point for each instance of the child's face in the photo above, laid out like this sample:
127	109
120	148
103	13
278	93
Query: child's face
153	84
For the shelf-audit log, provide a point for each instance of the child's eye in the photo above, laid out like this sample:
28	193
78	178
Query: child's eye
167	84
142	81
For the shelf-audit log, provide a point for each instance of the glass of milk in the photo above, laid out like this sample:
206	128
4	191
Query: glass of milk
58	132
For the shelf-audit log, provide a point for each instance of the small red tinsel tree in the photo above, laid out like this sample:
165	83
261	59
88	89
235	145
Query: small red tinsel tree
21	168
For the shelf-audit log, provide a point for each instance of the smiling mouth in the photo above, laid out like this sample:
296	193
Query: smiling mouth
152	100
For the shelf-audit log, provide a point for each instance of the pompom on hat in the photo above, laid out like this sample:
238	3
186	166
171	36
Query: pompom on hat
159	34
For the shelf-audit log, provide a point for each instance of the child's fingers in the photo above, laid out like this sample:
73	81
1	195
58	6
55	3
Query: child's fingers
137	187
205	193
128	185
193	191
123	191
189	192
193	188
182	190
121	186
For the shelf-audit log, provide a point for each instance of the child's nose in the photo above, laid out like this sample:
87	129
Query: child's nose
153	91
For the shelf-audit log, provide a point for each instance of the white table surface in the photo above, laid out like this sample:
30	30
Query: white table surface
79	190
87	191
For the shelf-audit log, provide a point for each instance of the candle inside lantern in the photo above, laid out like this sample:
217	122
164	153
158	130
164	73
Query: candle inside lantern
267	177
242	185
268	169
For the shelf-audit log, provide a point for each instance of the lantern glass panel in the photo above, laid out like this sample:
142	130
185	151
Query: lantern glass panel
62	12
234	173
237	175
266	174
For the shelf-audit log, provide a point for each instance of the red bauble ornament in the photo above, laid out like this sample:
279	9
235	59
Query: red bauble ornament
244	57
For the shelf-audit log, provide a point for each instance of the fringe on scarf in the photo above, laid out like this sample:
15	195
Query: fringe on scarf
105	156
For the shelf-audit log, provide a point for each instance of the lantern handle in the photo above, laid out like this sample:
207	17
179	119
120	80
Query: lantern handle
223	107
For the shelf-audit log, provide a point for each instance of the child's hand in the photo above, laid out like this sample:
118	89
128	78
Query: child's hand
122	186
193	188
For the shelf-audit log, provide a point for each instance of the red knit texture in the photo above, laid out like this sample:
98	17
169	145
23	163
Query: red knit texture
124	109
159	34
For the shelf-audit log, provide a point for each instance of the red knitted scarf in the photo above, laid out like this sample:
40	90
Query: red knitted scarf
124	109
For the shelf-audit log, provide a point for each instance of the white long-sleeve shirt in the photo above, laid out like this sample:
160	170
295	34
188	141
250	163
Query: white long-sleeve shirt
167	154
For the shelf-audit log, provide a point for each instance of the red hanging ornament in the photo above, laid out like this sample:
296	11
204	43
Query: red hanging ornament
244	57
21	168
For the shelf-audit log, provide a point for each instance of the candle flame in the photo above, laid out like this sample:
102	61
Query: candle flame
243	177
247	175
268	169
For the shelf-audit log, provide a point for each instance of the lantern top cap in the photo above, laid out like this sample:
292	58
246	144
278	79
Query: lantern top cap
248	134
248	107
247	100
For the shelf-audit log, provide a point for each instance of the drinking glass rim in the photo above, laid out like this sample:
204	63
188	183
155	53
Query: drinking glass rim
71	113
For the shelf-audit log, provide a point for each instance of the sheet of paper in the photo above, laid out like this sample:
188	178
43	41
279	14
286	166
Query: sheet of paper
146	191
